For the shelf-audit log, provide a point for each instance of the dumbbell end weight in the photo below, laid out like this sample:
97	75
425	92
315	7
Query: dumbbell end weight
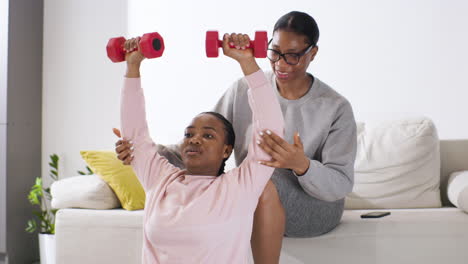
152	45
261	44
114	49
212	44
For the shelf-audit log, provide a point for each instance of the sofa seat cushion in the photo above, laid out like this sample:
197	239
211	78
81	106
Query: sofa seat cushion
98	236
430	235
397	166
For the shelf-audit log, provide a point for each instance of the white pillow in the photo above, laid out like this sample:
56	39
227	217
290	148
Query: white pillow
397	166
457	189
87	191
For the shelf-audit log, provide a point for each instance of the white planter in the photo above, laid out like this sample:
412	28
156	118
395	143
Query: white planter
47	248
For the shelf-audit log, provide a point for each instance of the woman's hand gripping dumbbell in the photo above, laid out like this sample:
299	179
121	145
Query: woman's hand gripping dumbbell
133	57
259	44
151	46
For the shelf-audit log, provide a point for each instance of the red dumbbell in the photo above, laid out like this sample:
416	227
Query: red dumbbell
259	45
151	45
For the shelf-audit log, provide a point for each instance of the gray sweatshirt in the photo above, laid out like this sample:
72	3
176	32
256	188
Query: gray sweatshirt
313	202
325	122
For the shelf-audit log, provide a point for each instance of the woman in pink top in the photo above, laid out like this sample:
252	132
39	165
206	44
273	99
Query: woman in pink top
201	214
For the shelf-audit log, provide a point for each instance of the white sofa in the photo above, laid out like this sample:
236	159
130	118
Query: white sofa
423	235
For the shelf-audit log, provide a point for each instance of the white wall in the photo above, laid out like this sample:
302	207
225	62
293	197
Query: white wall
80	86
391	59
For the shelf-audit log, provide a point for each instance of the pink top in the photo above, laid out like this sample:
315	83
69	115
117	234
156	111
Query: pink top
199	219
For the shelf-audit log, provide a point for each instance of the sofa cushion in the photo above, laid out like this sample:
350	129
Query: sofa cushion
432	235
88	191
397	166
99	236
457	189
427	235
121	178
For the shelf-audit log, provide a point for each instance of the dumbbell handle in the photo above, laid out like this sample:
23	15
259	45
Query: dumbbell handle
251	44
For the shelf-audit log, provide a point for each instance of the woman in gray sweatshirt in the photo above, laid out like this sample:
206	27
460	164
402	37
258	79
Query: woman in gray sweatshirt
314	164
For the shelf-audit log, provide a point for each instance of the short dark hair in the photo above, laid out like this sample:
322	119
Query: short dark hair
230	138
300	23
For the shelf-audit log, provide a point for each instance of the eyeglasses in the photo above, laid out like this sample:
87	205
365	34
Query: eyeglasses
290	58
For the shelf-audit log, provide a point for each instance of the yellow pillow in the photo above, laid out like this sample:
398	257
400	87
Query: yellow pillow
121	178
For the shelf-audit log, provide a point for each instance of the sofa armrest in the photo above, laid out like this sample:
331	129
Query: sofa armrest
457	189
453	157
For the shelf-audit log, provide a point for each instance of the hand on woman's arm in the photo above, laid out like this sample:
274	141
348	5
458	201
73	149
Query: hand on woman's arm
123	148
285	155
332	177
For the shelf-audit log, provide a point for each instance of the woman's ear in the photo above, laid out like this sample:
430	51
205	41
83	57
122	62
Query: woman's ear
313	52
227	151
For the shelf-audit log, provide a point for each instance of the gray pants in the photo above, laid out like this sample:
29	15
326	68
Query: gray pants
306	216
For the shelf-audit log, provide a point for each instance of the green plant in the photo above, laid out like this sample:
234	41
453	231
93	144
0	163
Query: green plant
88	171
44	219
